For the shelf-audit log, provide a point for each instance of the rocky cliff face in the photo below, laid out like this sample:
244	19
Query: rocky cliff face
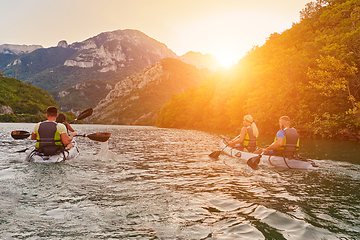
137	99
5	110
113	51
109	55
14	49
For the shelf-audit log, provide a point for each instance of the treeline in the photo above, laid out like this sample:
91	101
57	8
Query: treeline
27	103
23	98
309	72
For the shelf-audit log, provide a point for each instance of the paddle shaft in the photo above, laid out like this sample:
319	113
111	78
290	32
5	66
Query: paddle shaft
217	153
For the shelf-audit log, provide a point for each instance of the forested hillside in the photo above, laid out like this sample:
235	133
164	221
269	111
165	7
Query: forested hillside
309	72
21	102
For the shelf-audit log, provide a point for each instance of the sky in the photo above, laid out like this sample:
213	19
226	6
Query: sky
227	29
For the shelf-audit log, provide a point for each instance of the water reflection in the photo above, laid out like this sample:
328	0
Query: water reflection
150	183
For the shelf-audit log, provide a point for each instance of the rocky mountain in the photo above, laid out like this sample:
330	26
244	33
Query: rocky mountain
96	64
110	55
83	95
137	99
200	60
14	49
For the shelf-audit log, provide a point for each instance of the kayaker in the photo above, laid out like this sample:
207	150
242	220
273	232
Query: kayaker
246	141
61	118
286	141
51	136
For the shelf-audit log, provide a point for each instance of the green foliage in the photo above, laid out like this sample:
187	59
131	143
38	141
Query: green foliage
23	99
332	125
309	73
22	118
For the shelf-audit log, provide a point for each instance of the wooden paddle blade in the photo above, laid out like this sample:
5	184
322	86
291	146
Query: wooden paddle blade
85	114
254	162
20	134
215	154
100	137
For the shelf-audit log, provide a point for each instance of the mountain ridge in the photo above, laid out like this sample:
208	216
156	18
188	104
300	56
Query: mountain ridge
137	99
107	57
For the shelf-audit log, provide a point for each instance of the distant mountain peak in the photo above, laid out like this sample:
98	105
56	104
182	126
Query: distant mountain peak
112	51
15	49
200	60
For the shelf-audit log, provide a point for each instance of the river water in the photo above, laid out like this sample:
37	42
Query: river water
154	183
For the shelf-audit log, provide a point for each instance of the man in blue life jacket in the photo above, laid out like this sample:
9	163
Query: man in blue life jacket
286	142
51	137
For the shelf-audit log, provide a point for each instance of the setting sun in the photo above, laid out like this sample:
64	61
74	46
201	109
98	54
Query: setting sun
226	61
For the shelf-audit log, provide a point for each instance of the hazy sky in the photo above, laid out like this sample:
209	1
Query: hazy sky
224	28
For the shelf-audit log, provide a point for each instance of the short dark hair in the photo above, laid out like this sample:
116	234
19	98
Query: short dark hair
52	111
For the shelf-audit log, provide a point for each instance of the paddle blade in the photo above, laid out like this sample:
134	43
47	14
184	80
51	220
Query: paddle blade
254	162
85	114
100	137
20	134
215	154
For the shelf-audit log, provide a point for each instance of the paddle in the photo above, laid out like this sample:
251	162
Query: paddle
217	153
254	161
100	137
83	115
19	134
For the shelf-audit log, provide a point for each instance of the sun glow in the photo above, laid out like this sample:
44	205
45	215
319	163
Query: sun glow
226	61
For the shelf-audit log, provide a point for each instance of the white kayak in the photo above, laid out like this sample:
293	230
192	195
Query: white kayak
277	161
34	156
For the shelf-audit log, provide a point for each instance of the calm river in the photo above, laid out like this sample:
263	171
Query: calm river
154	183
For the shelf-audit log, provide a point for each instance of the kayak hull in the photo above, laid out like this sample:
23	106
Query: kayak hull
271	160
33	156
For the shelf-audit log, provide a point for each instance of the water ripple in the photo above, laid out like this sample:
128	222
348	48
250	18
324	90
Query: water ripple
151	183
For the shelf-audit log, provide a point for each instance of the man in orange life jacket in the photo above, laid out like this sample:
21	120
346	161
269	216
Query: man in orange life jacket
286	142
51	136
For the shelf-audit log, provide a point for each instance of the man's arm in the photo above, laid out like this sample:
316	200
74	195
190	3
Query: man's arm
34	133
33	136
279	142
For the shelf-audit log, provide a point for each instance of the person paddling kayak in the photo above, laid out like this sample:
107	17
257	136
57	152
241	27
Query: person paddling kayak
286	142
51	137
246	141
61	118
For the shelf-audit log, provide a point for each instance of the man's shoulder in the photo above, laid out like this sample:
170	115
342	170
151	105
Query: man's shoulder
280	133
